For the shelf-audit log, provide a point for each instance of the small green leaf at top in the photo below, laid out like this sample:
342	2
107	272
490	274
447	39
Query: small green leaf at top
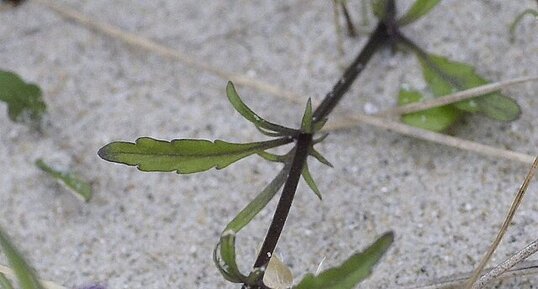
264	126
435	119
379	7
184	156
419	9
352	271
74	184
24	101
24	273
445	77
306	123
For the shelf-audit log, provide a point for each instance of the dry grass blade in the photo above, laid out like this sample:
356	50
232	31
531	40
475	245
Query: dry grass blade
456	281
509	216
150	45
48	284
141	42
505	266
455	97
428	136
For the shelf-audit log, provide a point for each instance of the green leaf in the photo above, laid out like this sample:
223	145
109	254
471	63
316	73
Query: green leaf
224	253
306	123
310	181
78	187
4	282
434	119
445	77
224	257
352	271
24	101
246	112
184	156
419	9
24	273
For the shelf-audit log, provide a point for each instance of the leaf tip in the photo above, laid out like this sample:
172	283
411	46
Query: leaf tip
387	239
39	163
230	88
103	152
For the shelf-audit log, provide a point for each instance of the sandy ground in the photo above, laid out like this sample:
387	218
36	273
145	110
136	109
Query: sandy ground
158	230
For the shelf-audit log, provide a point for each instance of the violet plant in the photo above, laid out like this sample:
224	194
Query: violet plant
186	156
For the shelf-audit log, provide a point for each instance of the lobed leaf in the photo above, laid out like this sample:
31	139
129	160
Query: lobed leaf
24	101
24	273
352	271
184	156
419	9
445	77
434	119
78	187
264	126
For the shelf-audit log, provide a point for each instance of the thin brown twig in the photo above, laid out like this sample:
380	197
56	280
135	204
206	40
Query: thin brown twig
455	97
347	122
509	216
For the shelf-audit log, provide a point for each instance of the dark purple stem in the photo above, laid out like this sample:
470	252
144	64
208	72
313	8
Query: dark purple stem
383	34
